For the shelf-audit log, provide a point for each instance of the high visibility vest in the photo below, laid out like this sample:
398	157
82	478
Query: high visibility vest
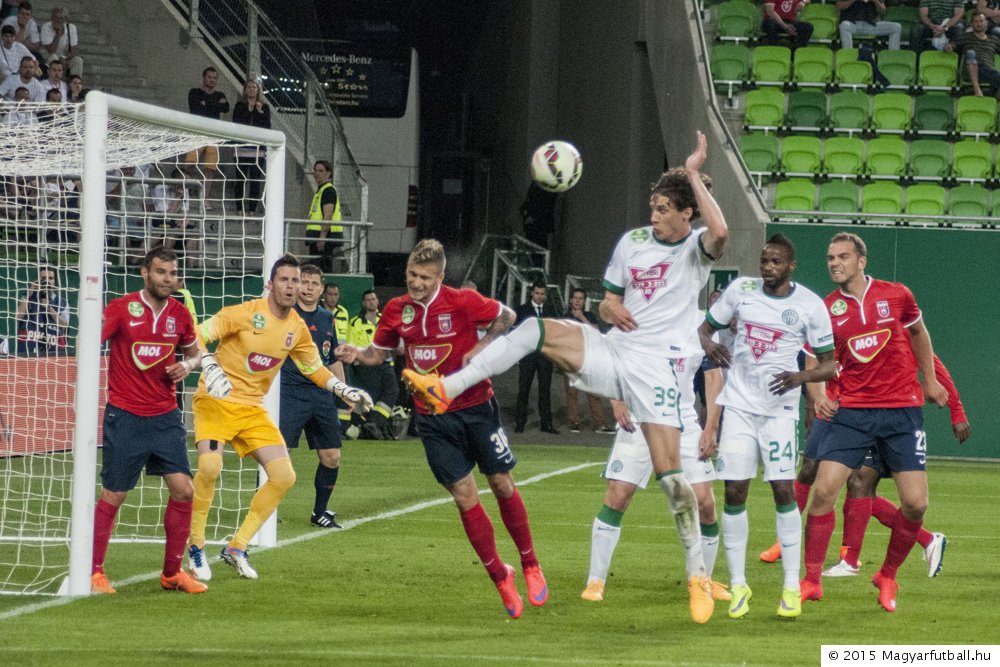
340	322
316	209
188	302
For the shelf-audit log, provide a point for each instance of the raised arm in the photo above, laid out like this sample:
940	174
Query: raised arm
714	240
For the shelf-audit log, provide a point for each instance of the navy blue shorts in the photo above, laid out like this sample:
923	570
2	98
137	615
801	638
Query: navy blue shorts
456	441
874	461
312	410
896	434
817	431
131	442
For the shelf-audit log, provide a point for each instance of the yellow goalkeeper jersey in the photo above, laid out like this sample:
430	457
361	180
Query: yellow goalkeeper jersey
253	344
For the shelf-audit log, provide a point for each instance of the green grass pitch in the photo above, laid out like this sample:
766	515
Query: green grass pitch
401	585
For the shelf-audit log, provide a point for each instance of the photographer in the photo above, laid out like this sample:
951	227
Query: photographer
42	317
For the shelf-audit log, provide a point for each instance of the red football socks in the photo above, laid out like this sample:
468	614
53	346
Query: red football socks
857	512
104	524
479	529
819	528
802	495
904	535
515	518
177	526
884	510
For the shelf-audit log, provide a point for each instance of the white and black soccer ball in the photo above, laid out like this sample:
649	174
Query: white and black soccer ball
556	166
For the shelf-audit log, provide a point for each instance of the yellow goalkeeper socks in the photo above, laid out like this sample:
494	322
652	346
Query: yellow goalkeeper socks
280	478
209	468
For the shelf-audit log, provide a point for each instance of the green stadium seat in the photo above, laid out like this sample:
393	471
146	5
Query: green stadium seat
892	112
795	195
825	20
933	115
882	197
924	199
886	157
843	157
900	67
771	65
813	65
937	70
976	115
736	20
765	109
972	160
730	64
928	159
903	15
806	111
800	156
760	153
969	200
850	71
838	197
848	111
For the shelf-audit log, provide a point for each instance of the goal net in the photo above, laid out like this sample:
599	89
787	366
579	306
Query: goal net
85	191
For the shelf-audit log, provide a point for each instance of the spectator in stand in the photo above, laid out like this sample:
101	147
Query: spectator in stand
780	17
991	9
577	301
60	41
208	102
8	8
860	17
48	114
55	80
171	205
250	110
25	78
76	90
42	317
26	28
940	21
978	48
20	115
11	53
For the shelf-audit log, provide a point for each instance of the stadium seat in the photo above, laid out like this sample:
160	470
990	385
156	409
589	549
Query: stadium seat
760	153
795	195
800	156
969	200
824	19
813	65
843	157
736	20
806	111
730	65
933	115
891	113
972	160
924	199
900	67
928	160
882	197
848	111
771	65
838	197
938	70
905	16
851	71
765	109
886	157
976	115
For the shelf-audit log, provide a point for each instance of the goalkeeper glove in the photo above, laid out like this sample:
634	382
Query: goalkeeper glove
359	397
216	381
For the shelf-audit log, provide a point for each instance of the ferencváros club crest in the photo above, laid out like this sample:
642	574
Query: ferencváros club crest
444	323
647	281
761	339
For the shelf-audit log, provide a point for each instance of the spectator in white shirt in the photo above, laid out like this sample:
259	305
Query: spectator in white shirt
26	27
25	77
11	52
59	40
20	115
55	80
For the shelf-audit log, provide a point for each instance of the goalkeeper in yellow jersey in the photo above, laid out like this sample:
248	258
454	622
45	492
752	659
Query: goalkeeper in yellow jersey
254	339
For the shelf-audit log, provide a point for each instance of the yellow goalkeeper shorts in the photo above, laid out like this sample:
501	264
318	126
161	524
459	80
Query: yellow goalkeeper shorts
246	427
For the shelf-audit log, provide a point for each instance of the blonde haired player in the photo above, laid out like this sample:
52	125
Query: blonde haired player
254	339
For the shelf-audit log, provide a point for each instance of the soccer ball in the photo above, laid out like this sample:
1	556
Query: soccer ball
556	166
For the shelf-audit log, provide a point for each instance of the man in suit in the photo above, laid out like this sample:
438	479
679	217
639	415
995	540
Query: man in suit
535	363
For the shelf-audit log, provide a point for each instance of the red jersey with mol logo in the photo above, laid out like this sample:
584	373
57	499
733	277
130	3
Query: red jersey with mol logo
436	336
877	366
142	345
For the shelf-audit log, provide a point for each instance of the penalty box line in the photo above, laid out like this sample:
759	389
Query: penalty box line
347	525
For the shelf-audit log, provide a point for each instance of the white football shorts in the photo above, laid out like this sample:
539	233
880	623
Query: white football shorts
747	438
647	383
630	462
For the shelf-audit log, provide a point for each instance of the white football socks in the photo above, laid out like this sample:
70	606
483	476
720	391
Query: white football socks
789	526
709	551
603	540
736	532
684	506
495	358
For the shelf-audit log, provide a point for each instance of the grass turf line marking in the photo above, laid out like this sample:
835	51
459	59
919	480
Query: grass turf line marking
347	525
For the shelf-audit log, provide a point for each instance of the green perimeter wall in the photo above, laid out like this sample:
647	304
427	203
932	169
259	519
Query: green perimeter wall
954	277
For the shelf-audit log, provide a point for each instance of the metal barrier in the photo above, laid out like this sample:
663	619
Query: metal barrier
352	250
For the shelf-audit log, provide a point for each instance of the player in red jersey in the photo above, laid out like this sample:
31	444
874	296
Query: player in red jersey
438	327
142	425
880	342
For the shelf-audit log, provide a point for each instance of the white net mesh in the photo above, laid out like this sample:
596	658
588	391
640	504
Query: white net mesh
203	197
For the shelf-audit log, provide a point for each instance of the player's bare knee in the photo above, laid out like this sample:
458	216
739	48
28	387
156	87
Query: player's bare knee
502	485
706	507
737	492
861	483
618	495
807	473
329	457
115	498
784	492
